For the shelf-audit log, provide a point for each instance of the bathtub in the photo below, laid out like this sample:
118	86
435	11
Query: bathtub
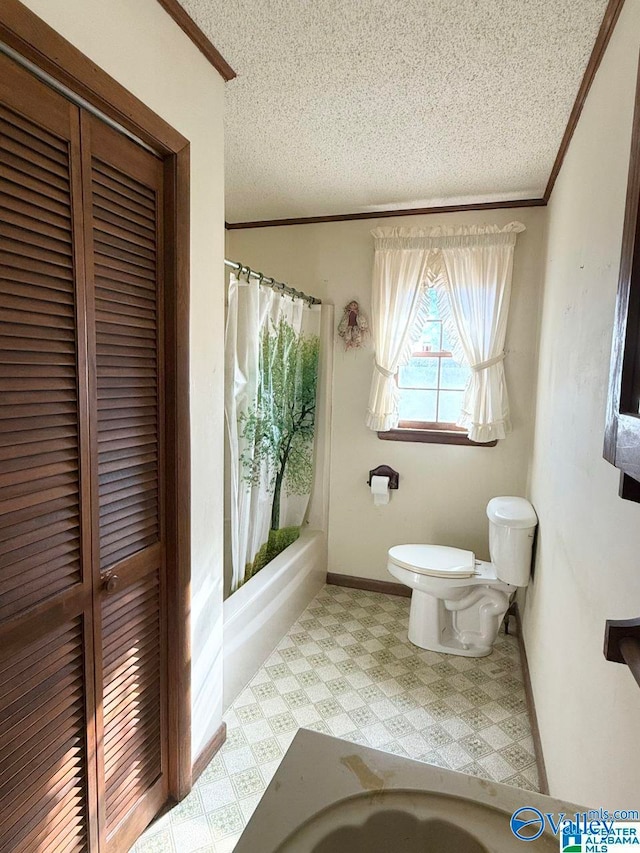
260	613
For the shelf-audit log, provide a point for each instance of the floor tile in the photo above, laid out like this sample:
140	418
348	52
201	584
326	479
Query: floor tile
193	834
347	668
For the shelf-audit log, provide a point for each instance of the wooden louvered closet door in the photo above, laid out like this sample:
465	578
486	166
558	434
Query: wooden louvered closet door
47	734
83	642
123	233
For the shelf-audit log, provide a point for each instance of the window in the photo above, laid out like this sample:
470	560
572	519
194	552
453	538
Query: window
432	383
432	386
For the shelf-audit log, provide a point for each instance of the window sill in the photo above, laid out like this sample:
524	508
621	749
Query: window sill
432	436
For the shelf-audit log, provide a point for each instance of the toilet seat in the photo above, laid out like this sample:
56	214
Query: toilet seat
437	561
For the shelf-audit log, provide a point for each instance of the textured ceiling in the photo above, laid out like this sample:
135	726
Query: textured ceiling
342	106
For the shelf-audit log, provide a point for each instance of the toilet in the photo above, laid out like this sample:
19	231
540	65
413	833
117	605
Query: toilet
458	603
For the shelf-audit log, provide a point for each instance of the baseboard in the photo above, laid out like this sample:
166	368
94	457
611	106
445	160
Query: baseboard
207	754
387	587
533	717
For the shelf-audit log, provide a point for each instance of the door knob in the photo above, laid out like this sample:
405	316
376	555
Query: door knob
111	583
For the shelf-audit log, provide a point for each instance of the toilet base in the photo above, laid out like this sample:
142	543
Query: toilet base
454	649
448	627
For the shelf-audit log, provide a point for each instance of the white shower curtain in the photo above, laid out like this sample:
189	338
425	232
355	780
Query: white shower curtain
271	352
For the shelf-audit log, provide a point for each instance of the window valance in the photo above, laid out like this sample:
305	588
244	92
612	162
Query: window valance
442	237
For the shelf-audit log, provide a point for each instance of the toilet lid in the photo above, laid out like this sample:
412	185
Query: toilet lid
437	561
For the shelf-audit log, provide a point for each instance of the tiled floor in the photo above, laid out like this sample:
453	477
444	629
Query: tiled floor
346	668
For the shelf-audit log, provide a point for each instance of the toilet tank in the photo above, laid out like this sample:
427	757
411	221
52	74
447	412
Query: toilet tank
512	524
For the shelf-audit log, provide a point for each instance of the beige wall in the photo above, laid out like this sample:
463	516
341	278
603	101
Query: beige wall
137	43
443	489
588	566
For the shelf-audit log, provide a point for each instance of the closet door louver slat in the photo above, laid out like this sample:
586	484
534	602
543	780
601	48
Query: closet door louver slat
47	734
126	306
44	776
83	623
31	398
131	707
127	363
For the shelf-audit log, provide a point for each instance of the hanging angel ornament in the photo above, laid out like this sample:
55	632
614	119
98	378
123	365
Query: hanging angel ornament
353	327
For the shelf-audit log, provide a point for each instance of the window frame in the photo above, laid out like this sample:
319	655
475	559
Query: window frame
441	426
431	432
433	436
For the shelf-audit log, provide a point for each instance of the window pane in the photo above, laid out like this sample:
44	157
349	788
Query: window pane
450	406
433	303
418	405
419	373
430	338
418	380
453	374
448	342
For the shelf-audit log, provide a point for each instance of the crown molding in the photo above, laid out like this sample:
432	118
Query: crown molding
611	15
201	41
384	214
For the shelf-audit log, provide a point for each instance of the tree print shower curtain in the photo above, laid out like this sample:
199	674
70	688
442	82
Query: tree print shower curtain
271	376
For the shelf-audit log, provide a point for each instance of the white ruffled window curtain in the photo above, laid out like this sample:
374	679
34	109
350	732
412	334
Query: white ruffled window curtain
399	274
477	267
474	266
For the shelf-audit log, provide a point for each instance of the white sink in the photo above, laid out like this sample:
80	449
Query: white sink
407	822
331	796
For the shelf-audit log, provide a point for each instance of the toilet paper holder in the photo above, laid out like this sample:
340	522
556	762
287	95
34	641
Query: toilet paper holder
385	471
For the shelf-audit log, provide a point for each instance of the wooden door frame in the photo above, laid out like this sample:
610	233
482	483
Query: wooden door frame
37	42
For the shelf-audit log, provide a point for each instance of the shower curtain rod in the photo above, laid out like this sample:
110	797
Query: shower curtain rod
271	282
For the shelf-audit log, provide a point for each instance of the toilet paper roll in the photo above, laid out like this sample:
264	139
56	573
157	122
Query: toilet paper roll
380	490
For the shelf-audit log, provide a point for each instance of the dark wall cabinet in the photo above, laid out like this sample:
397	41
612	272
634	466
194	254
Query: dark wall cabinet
622	431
